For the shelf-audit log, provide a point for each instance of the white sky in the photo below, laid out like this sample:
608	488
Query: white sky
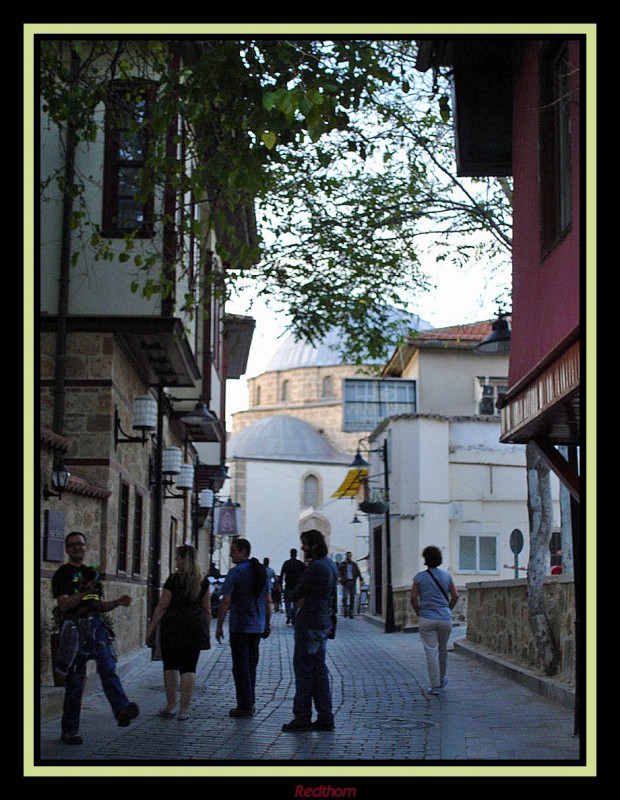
460	296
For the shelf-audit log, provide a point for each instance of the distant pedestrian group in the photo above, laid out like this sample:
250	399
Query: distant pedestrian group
180	627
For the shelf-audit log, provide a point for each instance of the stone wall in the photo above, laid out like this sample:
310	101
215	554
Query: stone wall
99	379
498	621
304	399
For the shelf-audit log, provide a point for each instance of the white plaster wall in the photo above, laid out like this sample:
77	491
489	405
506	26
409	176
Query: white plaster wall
272	505
450	478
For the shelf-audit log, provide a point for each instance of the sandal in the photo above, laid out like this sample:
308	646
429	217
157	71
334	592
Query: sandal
164	712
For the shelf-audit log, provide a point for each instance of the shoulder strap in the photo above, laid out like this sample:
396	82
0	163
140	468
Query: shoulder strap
443	591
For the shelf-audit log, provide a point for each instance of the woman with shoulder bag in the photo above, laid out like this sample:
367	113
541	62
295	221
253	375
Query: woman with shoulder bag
184	616
433	596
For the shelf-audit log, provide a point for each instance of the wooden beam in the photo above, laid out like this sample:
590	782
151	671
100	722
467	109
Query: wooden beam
556	461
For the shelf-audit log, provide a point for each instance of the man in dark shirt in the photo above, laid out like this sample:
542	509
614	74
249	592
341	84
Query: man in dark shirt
317	595
349	575
289	575
78	590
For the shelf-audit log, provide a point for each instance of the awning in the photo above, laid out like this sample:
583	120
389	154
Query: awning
351	484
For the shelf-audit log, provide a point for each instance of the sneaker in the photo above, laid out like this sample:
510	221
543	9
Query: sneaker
444	683
297	725
323	726
242	712
434	690
125	715
71	738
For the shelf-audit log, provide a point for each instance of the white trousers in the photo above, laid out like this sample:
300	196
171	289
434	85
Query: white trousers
434	634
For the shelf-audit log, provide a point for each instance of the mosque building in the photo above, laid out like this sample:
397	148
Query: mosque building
290	451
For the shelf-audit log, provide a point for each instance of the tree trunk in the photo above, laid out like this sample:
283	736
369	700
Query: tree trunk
540	517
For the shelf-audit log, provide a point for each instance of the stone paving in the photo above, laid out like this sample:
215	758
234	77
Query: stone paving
385	715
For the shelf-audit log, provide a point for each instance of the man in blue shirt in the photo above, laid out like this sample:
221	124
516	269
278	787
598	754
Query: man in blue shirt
246	595
316	594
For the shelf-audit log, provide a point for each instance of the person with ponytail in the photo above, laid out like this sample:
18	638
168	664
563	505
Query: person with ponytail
184	615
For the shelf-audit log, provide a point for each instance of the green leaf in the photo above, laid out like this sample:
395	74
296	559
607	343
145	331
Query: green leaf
269	139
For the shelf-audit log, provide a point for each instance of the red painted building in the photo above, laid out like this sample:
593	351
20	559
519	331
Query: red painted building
517	112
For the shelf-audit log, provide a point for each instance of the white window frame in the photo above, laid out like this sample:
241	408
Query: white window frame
373	400
487	389
477	537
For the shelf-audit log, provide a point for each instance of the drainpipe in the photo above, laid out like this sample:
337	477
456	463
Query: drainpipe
60	365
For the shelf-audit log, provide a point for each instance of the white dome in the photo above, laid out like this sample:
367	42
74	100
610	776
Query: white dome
283	438
295	353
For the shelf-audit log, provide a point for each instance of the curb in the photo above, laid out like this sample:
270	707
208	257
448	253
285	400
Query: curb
555	690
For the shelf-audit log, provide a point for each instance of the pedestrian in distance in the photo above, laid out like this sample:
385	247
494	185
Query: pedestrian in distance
433	596
316	594
349	575
289	575
184	616
273	582
246	595
85	635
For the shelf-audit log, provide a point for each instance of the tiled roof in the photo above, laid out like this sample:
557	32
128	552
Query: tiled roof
473	331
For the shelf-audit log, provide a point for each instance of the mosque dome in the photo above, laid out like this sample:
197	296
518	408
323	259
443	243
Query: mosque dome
294	353
283	438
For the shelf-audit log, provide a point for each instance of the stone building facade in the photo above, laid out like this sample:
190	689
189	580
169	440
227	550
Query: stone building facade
109	494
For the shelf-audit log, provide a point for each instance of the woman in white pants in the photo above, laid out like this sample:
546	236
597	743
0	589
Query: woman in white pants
433	596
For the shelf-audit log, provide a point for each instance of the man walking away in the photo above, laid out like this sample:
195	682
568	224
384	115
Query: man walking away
317	596
289	575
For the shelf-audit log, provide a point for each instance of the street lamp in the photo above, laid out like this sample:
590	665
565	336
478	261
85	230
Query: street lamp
498	341
359	462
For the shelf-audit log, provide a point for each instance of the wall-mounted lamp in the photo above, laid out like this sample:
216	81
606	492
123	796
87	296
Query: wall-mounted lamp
144	419
60	478
206	498
358	462
498	341
199	416
171	461
184	473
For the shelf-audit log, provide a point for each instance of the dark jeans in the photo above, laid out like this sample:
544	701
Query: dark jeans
244	651
312	679
348	598
291	609
94	644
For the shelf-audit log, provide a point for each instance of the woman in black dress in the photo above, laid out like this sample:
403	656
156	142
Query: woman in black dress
184	611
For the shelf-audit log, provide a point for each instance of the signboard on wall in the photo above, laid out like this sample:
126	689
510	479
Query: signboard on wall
227	520
54	536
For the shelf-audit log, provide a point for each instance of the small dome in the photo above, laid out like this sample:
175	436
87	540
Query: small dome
283	438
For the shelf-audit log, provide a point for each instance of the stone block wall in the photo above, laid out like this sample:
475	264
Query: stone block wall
498	621
99	378
304	401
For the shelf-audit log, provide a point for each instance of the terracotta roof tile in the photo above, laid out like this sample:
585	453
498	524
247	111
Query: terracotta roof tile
473	331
